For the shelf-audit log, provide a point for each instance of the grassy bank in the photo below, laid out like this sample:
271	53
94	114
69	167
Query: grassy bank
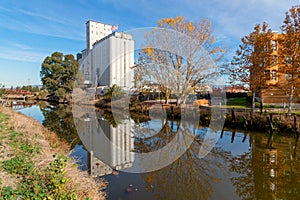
34	163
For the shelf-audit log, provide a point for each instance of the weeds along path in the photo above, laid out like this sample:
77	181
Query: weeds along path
34	163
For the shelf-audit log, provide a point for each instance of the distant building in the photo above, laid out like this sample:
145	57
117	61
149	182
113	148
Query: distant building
108	58
273	92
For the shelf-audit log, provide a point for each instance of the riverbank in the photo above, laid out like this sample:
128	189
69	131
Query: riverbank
270	120
35	165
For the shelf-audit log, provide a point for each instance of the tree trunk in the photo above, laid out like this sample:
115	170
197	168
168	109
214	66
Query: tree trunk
166	98
253	103
261	105
181	100
290	100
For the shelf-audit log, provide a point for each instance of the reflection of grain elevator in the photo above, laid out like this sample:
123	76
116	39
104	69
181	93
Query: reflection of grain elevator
109	147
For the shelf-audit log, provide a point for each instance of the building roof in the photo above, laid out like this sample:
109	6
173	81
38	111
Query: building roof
91	20
116	34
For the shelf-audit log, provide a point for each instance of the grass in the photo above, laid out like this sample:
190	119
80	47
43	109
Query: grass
34	183
28	169
237	102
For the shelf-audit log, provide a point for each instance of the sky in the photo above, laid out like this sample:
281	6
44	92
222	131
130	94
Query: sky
31	30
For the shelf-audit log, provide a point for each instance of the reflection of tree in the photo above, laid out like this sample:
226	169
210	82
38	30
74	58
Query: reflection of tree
59	119
112	118
269	171
157	141
244	181
189	177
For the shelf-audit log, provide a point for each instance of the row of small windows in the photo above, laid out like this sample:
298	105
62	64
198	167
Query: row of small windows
273	45
274	60
273	75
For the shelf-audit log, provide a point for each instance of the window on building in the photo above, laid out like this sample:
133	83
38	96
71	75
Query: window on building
288	60
274	60
266	158
272	173
274	45
288	76
273	158
273	74
267	74
267	45
272	187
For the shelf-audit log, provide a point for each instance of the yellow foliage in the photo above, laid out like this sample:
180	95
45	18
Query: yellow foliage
190	27
181	27
178	20
149	50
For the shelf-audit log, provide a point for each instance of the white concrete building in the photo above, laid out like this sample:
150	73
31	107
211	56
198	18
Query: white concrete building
108	58
95	31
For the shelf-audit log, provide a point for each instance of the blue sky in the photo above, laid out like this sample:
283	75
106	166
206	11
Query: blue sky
33	29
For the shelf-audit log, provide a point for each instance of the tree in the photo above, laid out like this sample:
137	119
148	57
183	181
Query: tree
179	55
2	90
35	89
114	92
251	61
289	54
58	73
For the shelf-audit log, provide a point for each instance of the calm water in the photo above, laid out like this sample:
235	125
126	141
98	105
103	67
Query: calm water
240	165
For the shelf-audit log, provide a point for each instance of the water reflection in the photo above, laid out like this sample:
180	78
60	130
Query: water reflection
270	170
108	141
240	166
59	119
116	145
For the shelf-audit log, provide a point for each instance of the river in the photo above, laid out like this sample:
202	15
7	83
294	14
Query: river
164	159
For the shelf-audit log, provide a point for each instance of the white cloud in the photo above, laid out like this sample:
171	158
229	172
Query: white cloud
22	55
41	22
19	45
237	18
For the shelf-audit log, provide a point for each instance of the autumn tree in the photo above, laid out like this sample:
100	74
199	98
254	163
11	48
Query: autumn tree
58	74
251	60
289	54
179	55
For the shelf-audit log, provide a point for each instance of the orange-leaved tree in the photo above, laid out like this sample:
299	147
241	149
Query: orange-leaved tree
289	54
251	60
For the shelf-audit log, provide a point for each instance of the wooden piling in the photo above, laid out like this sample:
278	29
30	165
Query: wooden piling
245	123
244	138
295	124
232	136
233	117
269	119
